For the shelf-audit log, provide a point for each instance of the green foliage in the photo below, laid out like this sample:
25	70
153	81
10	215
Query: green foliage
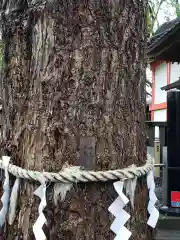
153	9
149	22
176	5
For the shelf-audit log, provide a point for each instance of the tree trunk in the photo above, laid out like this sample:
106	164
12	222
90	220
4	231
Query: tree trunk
74	91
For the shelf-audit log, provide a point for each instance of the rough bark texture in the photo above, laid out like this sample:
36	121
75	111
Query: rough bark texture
74	91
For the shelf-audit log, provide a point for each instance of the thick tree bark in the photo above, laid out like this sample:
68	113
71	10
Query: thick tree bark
74	91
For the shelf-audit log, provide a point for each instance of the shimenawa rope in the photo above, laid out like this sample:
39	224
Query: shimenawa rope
76	174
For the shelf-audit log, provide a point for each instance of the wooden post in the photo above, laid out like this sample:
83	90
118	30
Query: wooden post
157	151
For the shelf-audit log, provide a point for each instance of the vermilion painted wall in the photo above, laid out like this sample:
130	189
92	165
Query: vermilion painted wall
161	72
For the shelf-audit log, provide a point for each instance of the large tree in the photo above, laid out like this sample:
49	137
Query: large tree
74	82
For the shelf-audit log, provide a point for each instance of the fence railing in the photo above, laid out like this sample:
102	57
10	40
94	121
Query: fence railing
157	147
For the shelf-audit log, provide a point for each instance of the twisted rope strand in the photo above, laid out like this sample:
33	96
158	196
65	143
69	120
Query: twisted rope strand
76	174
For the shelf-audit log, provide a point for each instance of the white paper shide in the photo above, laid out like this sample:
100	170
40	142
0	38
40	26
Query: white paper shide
13	201
37	227
154	213
121	216
5	196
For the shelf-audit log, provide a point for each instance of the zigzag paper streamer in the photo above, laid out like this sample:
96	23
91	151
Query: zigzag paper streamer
130	187
37	227
13	201
154	213
121	216
5	196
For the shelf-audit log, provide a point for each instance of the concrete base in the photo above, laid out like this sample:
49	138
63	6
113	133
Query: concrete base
168	223
167	235
168	228
169	211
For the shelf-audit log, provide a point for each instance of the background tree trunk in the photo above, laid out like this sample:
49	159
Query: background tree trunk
74	91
